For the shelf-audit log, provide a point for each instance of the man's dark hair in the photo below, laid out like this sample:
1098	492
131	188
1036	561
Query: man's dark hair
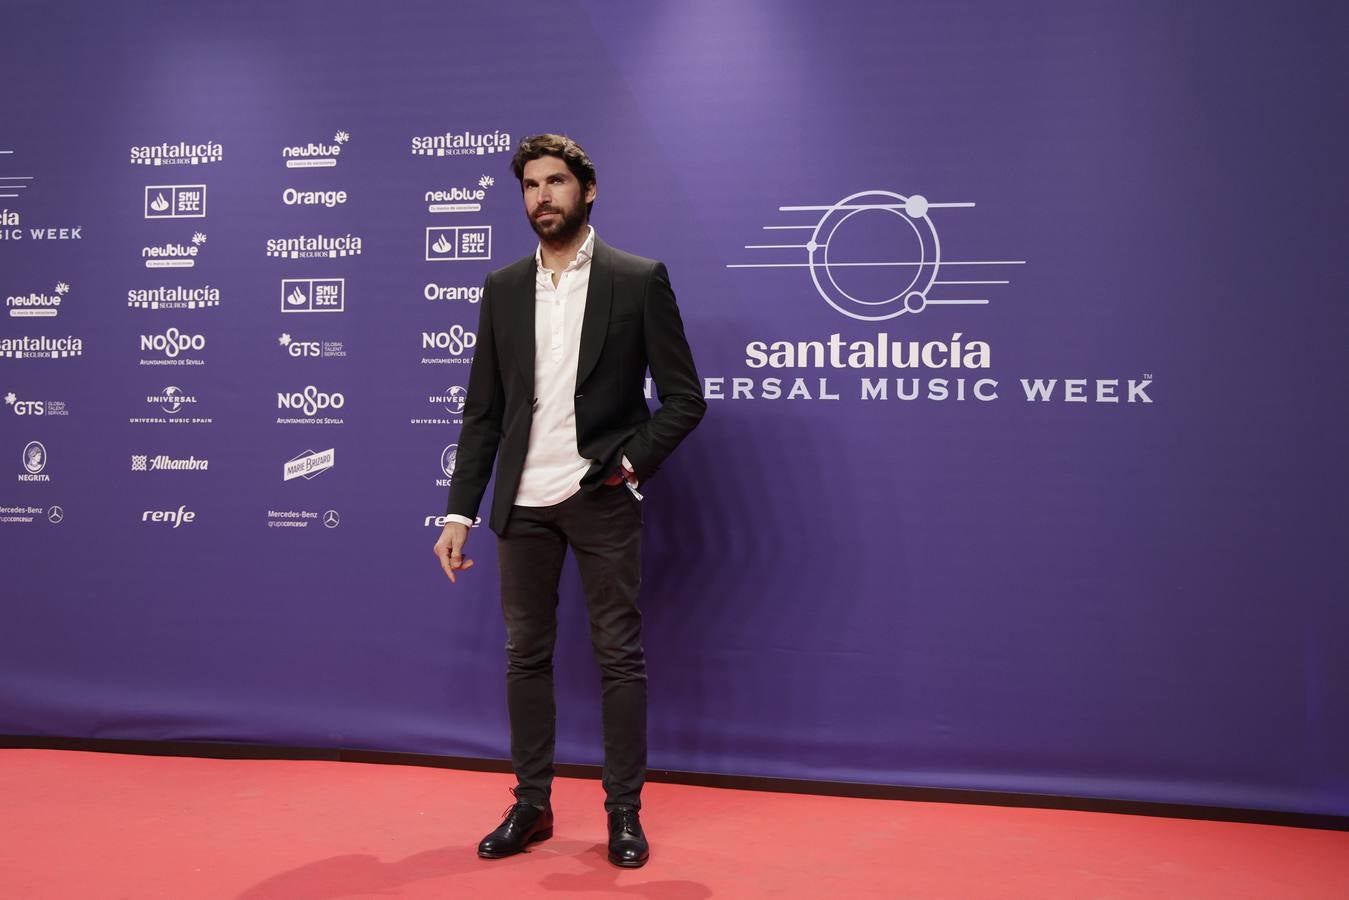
561	146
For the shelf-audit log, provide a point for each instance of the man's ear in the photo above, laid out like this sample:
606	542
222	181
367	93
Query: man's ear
591	190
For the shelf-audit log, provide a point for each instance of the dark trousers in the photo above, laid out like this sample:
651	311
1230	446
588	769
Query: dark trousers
603	527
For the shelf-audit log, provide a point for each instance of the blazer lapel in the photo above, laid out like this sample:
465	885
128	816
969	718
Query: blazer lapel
524	300
595	323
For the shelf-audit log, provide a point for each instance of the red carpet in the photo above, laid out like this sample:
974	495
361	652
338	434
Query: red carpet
82	826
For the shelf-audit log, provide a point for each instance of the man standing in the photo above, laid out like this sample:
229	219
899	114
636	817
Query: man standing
555	397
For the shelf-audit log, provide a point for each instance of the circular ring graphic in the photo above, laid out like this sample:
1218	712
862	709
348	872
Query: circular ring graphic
910	293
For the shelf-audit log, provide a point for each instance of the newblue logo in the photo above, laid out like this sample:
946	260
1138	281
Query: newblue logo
459	199
174	256
37	306
315	156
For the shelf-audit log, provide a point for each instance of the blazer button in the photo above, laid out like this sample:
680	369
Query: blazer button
579	396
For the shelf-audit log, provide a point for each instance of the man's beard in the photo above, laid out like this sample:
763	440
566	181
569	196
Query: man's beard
561	229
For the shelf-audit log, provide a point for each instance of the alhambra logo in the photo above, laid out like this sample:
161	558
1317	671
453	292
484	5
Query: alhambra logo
179	154
34	305
314	155
461	143
876	255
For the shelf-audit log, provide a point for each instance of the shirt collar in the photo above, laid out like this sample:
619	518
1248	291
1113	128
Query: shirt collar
582	255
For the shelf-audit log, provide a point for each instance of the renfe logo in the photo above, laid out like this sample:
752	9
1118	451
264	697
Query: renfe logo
180	516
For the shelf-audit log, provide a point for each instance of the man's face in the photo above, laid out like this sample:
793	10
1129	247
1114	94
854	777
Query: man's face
554	200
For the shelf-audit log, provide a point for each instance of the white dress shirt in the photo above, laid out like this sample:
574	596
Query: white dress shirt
553	467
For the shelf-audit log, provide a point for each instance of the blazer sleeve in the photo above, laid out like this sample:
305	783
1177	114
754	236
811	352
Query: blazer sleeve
483	410
674	374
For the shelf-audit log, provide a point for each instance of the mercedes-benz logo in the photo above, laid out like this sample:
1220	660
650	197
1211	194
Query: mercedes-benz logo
331	519
55	515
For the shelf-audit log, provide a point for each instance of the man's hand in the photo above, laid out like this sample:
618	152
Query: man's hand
450	549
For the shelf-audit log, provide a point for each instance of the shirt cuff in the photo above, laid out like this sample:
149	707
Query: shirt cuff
462	520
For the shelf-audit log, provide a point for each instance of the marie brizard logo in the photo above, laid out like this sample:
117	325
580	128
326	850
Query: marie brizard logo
875	255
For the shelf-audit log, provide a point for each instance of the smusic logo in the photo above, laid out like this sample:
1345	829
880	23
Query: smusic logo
454	243
313	295
175	201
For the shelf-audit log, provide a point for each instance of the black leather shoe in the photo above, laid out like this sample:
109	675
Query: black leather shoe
627	841
524	824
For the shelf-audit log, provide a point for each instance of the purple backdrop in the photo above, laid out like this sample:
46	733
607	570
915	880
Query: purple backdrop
1137	599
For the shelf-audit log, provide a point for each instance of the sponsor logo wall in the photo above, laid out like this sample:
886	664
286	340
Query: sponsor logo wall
987	314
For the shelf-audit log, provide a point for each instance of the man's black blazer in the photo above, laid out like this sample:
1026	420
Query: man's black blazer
631	324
